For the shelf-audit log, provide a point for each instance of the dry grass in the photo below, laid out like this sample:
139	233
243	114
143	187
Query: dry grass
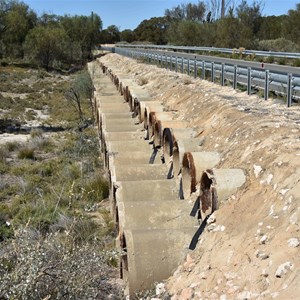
47	184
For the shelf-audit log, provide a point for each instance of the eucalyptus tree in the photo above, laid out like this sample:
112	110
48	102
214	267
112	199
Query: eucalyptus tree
46	45
291	27
17	19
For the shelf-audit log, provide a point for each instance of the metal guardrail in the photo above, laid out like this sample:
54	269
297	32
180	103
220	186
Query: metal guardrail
190	49
286	84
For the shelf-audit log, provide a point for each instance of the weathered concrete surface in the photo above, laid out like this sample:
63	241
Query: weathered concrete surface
217	185
144	202
138	172
124	136
140	107
108	99
145	263
262	138
160	125
193	164
113	107
163	214
122	128
152	190
182	146
136	145
133	157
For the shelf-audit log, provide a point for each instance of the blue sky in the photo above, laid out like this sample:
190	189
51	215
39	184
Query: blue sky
128	14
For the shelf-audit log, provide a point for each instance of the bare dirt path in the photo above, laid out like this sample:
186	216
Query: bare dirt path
257	254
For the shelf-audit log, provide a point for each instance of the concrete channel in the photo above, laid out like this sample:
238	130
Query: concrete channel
154	163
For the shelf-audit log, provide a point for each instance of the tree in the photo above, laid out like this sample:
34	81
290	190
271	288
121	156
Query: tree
189	11
45	45
82	88
153	30
188	33
271	27
83	30
127	35
17	21
49	19
219	8
110	35
232	33
291	26
250	16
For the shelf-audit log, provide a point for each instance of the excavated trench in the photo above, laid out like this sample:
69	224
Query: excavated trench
154	163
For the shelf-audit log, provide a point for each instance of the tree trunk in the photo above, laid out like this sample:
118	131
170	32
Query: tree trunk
223	9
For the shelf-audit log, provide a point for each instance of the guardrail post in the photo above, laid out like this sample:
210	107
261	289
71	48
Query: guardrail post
195	67
266	95
166	61
289	90
182	66
223	75
212	72
235	77
188	67
203	70
171	63
161	61
176	64
249	81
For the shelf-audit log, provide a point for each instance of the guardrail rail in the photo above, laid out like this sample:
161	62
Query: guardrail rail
282	80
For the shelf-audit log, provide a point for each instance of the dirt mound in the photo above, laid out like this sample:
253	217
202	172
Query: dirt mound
251	250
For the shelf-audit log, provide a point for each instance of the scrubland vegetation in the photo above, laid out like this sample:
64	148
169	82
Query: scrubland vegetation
56	233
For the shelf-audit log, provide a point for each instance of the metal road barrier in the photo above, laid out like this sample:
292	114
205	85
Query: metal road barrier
283	80
190	49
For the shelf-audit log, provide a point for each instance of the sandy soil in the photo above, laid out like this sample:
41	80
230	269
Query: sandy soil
257	255
11	138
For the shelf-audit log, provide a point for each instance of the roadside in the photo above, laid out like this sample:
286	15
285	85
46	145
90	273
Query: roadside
256	254
56	234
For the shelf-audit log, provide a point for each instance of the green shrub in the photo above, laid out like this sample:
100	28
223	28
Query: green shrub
296	62
3	154
26	152
38	214
281	44
282	61
41	143
34	267
270	59
96	189
3	167
6	230
12	146
83	230
71	172
36	132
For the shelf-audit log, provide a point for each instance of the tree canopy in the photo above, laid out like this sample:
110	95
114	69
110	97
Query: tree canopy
53	41
47	40
153	30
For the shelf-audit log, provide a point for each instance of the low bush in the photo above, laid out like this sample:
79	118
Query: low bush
12	146
26	152
96	189
282	61
55	267
281	44
3	154
270	59
296	62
